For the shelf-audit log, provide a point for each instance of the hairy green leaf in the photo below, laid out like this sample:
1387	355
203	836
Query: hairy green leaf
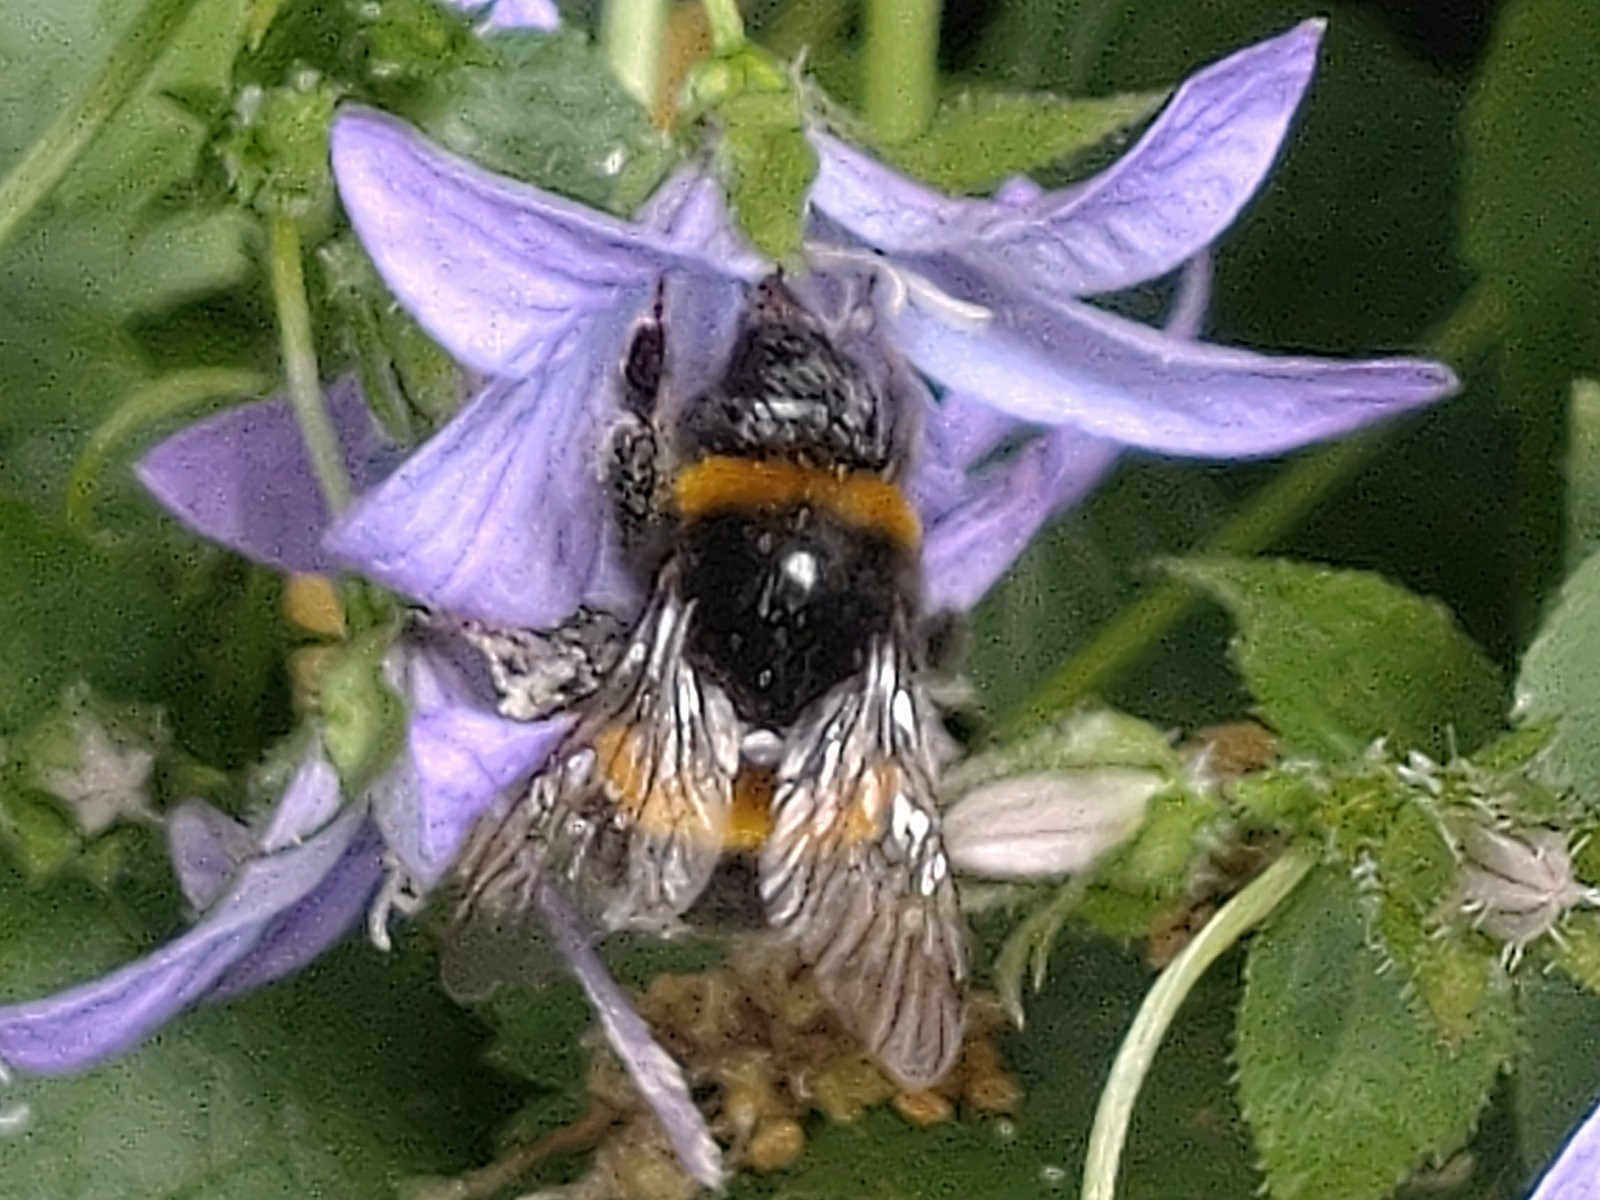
1346	1090
767	166
1558	686
547	110
1557	1077
1337	659
982	136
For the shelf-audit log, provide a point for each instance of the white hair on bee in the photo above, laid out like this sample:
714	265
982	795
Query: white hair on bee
904	287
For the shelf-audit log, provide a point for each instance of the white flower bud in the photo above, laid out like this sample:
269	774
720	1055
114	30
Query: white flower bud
98	766
1047	823
1517	885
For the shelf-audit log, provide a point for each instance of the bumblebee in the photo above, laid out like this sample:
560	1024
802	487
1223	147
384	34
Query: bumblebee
763	720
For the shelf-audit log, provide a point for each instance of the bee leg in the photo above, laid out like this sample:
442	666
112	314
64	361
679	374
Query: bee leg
540	672
633	475
632	460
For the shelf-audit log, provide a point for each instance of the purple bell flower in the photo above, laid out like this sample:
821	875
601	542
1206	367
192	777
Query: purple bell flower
1576	1173
1026	392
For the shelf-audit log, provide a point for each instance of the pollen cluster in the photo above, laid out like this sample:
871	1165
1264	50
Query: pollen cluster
762	1053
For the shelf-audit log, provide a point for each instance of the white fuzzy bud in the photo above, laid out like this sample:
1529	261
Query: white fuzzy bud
97	766
1046	824
1518	884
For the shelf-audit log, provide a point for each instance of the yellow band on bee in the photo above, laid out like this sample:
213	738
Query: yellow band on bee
722	483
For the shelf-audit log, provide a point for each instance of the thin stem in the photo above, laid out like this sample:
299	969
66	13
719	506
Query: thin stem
300	364
42	167
902	66
1263	894
634	34
727	26
1273	511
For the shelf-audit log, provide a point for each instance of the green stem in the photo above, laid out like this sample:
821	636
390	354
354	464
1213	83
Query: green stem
902	66
634	32
42	167
300	364
1273	511
727	26
1263	894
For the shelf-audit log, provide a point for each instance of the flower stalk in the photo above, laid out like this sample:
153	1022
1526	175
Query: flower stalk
300	363
901	66
633	33
70	134
727	26
1262	895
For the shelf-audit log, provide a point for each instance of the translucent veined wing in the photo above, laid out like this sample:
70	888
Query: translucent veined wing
628	816
854	871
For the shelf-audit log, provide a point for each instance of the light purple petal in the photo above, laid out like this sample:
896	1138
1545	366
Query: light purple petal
311	801
462	756
1576	1174
77	1027
519	14
492	268
205	846
884	208
1187	317
970	547
499	515
1068	363
300	933
957	432
241	477
691	210
657	1077
1169	197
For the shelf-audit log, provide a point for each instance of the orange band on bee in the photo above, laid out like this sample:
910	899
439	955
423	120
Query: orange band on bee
750	821
723	483
663	806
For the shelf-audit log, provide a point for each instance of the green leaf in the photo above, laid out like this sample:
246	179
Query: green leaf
1559	688
1529	229
339	1082
1337	659
982	136
1528	207
547	110
35	836
1346	1090
1583	472
1578	952
194	631
1557	1077
768	166
1452	976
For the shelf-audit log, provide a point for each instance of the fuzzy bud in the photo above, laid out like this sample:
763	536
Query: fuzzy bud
1047	823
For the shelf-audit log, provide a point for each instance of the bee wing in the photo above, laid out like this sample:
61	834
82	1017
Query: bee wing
628	816
854	871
